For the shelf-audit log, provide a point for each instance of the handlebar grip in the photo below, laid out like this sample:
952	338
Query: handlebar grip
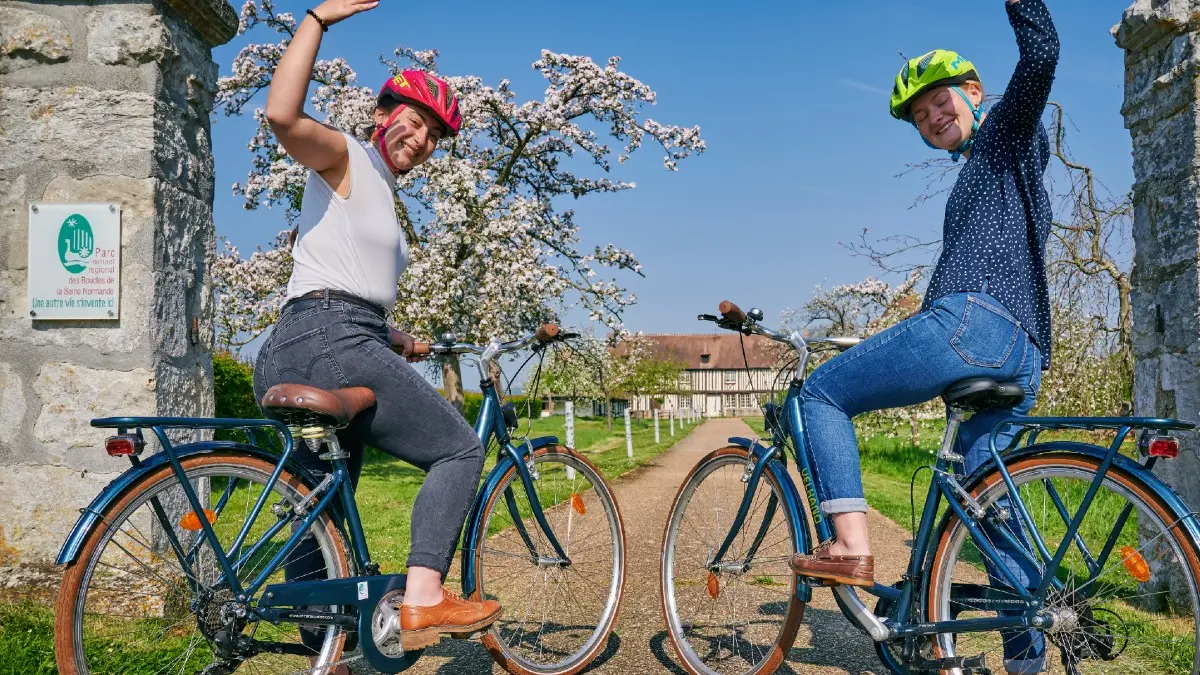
420	349
547	332
731	312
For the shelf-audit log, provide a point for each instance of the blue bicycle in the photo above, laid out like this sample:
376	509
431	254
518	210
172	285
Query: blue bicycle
1076	549
178	565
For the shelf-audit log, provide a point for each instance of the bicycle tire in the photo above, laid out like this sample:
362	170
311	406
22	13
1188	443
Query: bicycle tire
1061	466
793	615
500	647
70	650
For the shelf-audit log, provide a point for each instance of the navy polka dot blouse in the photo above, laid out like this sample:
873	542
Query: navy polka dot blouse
998	214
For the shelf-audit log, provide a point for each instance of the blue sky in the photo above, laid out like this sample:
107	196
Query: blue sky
791	99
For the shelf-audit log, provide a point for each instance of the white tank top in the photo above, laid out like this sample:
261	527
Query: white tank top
354	245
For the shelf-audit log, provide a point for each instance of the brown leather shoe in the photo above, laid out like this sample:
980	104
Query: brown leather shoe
421	627
852	570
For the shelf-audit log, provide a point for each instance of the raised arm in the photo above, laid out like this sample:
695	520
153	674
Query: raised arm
1019	112
315	145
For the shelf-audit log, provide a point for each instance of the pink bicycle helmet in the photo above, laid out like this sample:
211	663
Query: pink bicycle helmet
418	87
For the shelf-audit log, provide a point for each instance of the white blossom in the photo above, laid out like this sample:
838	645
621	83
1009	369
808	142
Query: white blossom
493	254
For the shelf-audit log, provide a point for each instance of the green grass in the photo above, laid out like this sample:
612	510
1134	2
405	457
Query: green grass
385	495
387	487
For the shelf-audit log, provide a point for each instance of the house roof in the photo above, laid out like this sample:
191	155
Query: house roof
723	350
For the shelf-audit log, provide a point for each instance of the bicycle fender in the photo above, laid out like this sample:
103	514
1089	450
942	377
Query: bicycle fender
1179	508
90	515
794	506
475	516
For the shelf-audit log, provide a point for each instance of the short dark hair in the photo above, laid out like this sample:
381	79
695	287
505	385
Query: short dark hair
387	102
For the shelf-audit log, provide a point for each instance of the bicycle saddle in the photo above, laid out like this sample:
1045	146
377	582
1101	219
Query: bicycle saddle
980	393
299	404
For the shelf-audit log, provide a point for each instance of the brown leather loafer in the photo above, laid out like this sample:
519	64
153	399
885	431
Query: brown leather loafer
852	570
421	627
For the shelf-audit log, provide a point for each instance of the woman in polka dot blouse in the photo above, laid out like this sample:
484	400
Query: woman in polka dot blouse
986	312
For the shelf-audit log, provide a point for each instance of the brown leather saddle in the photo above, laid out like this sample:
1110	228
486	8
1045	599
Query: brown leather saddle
302	405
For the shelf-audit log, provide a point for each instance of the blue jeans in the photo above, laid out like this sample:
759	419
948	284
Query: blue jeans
961	335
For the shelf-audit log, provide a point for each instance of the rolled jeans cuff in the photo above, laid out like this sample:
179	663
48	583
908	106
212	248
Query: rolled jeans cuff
1026	666
849	505
430	561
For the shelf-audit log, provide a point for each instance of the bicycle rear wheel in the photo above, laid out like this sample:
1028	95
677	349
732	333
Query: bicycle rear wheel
557	619
129	604
743	617
1133	612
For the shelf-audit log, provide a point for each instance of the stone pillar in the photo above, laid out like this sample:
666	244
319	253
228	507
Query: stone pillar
1162	113
102	101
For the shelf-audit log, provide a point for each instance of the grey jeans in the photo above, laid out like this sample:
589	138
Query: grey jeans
332	344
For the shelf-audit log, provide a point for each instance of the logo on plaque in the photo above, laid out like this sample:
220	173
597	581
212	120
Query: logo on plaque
75	243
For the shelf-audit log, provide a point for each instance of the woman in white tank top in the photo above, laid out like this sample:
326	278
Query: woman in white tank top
333	331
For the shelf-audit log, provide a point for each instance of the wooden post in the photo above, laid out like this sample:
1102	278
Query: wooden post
570	422
657	440
628	436
671	413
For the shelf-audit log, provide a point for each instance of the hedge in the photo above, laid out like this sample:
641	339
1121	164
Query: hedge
233	384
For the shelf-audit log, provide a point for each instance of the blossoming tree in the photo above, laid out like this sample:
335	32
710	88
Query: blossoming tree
494	254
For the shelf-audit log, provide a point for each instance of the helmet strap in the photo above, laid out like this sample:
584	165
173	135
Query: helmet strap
378	138
976	112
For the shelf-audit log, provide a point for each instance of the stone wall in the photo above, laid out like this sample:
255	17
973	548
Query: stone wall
1162	113
102	101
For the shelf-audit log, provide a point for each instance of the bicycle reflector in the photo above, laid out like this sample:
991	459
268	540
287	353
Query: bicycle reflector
190	521
123	445
1135	564
1161	446
577	503
714	585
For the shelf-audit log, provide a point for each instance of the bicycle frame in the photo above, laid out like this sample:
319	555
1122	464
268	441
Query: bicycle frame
334	493
944	485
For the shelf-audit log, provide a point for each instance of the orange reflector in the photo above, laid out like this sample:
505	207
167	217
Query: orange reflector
1135	564
190	521
714	585
577	502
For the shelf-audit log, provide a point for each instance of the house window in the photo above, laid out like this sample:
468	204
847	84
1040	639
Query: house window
704	358
731	377
745	401
685	402
685	379
729	401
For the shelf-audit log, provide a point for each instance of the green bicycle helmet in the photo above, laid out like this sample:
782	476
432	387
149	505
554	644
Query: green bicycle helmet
938	68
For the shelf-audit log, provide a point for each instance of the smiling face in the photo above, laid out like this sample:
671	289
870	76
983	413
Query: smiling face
943	117
412	136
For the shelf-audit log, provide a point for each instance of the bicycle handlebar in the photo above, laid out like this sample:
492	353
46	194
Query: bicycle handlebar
545	334
733	318
731	312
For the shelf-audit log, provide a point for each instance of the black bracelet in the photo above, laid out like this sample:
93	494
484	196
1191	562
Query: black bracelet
324	26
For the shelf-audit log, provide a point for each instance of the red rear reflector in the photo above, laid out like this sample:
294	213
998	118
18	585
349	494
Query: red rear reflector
120	446
1164	446
714	586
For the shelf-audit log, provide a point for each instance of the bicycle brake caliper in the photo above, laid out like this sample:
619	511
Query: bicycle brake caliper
749	470
529	463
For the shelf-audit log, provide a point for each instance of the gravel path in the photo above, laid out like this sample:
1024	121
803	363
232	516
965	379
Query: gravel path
826	643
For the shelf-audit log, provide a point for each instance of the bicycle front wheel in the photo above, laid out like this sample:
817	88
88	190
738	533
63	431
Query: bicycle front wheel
1126	598
739	615
130	604
557	617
